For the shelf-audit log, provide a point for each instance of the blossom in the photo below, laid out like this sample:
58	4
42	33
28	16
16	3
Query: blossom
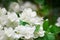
27	14
9	31
12	24
2	35
3	19
37	20
25	31
30	16
1	27
14	6
28	5
3	11
41	32
12	16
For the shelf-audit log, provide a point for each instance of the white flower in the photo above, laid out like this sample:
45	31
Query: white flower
28	5
37	20
12	24
58	22
27	14
3	11
1	27
9	31
3	19
15	7
2	34
30	16
17	36
26	32
41	32
12	16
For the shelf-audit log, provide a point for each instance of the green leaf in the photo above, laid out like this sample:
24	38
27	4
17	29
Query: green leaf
49	36
55	29
37	28
23	23
46	25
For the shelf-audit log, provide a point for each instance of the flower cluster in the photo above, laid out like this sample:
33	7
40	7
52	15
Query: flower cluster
14	27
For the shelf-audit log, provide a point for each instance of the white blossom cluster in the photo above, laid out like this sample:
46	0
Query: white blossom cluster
11	29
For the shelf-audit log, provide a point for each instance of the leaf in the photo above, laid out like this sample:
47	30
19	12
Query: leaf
23	23
55	29
37	28
50	36
46	25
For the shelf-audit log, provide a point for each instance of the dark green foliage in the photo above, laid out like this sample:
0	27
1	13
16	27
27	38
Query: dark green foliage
54	29
20	39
